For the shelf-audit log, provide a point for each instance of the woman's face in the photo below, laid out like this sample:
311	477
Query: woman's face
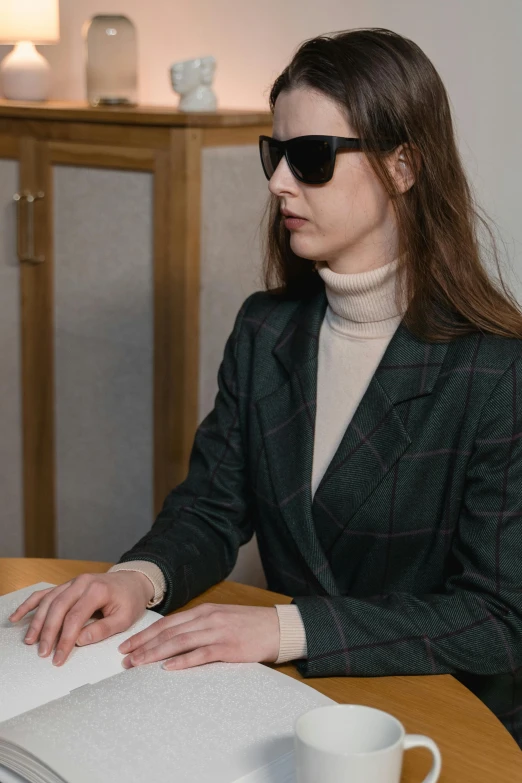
350	222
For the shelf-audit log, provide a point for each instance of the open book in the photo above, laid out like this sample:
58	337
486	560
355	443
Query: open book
92	721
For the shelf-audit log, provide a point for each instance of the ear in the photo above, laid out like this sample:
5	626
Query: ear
404	164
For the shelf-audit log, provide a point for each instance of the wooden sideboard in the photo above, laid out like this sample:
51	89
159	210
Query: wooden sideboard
133	239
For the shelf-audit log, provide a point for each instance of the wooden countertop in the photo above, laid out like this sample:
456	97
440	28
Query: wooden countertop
81	111
475	747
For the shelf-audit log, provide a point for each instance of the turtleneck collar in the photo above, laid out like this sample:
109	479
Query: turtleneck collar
362	304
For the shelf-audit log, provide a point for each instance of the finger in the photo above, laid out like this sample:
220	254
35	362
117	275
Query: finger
29	604
36	623
148	634
199	624
94	597
209	654
144	636
56	614
179	644
105	627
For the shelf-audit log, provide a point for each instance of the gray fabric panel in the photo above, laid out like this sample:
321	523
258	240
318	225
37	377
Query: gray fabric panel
11	513
234	193
104	360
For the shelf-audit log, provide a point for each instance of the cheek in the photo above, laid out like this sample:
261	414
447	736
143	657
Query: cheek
358	195
341	211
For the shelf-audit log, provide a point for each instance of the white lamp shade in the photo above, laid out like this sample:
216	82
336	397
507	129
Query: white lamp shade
29	20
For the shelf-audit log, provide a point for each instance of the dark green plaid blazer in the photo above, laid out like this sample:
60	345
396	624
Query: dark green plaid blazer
409	559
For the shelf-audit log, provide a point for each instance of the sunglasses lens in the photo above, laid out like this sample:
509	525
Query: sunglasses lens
310	160
270	157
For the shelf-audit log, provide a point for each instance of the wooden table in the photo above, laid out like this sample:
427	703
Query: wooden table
475	746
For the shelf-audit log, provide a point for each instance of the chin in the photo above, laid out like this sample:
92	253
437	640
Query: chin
305	249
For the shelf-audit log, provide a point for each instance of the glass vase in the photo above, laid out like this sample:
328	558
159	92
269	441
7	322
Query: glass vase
111	60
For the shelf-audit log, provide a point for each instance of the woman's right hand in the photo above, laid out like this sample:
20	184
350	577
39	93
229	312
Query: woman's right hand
121	596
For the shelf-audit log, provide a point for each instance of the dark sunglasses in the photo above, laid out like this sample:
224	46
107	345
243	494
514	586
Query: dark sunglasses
311	159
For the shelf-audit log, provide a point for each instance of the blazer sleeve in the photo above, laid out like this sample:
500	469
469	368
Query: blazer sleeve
474	624
204	520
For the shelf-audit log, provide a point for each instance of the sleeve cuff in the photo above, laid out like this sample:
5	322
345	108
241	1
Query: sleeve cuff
292	642
152	571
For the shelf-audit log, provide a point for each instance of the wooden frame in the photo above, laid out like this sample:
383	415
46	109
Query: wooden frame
168	145
9	147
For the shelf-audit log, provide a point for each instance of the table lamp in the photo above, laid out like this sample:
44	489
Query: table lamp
24	72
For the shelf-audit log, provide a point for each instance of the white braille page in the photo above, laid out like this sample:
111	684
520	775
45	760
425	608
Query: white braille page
27	681
6	776
213	723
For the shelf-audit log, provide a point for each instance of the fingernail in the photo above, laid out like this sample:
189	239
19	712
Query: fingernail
137	657
126	663
29	638
58	658
124	646
42	649
85	638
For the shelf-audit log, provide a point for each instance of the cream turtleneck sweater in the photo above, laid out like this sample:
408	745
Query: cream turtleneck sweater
360	320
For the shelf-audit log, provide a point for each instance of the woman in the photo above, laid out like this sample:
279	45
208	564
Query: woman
368	420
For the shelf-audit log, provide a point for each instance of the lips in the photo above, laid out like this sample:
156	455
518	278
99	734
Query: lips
289	214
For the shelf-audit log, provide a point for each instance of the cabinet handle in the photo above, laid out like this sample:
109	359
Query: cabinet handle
26	250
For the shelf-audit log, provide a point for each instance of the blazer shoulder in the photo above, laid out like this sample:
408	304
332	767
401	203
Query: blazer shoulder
500	351
267	312
485	349
494	357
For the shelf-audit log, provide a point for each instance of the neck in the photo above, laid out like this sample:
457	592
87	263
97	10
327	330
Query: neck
362	304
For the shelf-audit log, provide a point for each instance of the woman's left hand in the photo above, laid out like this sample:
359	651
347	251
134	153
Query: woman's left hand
207	633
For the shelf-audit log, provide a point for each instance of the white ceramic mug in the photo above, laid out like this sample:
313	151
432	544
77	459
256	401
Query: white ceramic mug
350	743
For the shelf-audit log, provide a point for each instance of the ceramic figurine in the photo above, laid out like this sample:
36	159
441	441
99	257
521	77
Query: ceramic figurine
192	80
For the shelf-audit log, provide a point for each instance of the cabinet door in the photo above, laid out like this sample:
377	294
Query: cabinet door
11	482
100	241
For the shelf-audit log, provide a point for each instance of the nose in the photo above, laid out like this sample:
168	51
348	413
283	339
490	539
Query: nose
282	180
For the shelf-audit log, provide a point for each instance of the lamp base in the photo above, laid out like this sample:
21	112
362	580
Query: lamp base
25	74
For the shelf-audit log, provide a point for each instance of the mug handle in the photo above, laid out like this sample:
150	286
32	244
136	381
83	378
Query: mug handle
420	741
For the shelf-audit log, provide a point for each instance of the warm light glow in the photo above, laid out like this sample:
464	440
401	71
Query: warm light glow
29	20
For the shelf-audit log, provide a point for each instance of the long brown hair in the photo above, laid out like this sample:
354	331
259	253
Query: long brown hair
388	88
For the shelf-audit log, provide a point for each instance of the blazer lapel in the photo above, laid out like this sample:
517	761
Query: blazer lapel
374	440
286	419
377	435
